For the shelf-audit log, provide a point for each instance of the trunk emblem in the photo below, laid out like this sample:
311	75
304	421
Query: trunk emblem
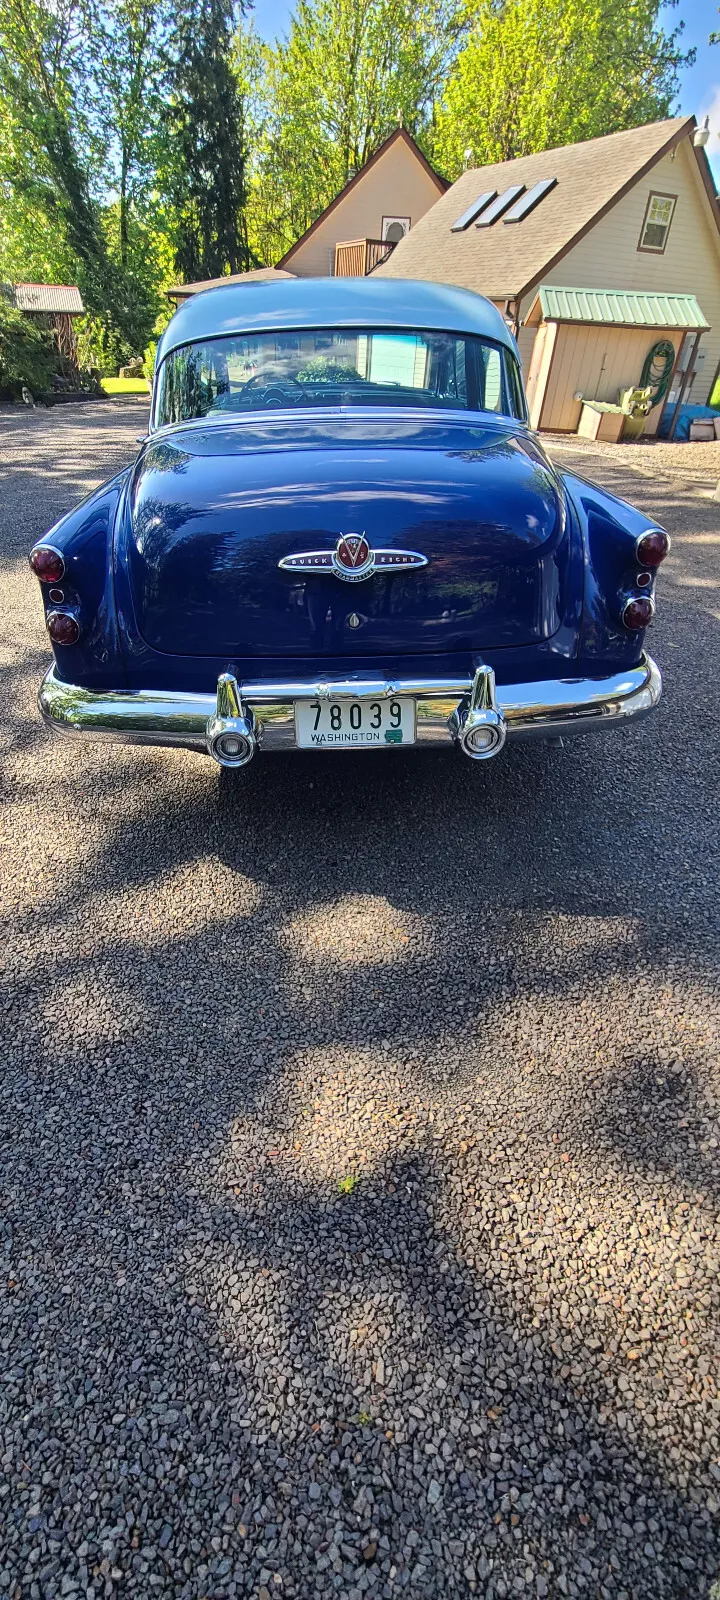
353	559
352	551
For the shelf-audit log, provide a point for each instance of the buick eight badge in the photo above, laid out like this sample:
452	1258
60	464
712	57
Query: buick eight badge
353	559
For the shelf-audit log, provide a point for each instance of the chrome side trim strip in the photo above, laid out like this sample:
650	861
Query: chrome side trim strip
553	708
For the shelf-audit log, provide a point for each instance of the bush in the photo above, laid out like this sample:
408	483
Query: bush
27	353
149	360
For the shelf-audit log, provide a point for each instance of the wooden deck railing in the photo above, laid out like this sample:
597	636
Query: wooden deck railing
355	258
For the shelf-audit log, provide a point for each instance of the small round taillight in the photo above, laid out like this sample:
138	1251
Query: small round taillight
47	564
652	547
638	611
62	627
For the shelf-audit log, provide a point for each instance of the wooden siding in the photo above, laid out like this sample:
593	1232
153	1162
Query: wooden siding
539	367
397	185
355	258
608	257
596	362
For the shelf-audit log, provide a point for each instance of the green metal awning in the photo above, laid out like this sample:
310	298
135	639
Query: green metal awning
616	308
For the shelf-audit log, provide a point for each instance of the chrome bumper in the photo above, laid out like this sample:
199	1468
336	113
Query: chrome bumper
478	715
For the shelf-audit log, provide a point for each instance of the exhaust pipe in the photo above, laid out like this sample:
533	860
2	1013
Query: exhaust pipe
480	727
231	737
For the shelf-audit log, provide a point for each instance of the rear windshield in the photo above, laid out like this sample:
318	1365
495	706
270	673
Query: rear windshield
363	367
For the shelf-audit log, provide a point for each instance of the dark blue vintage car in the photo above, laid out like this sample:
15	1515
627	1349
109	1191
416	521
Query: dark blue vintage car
340	533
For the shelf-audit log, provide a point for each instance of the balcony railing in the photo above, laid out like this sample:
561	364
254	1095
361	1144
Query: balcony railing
355	258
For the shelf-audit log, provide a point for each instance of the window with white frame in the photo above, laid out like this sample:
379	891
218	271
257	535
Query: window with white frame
395	228
656	222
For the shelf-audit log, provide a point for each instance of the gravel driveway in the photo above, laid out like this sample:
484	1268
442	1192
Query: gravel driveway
360	1167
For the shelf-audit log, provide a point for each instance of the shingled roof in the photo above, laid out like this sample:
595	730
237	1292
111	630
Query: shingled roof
504	260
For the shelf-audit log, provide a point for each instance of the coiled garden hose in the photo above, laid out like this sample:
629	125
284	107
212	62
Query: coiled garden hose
658	369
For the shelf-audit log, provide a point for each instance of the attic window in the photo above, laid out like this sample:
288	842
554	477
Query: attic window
395	228
656	223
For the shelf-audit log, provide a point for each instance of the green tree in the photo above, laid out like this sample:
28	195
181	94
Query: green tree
206	180
128	40
53	159
534	74
328	96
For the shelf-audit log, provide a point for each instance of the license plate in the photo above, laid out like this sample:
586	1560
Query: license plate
351	724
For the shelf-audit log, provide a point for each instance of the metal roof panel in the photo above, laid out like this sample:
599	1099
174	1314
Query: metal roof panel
46	297
629	308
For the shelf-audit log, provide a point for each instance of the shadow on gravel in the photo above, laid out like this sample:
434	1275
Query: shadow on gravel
192	1266
656	1119
484	991
285	1382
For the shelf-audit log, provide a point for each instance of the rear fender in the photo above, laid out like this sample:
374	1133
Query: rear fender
84	538
610	529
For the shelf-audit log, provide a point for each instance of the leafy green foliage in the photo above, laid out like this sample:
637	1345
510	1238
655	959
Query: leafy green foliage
141	140
322	101
321	370
207	170
534	74
347	1184
44	83
129	40
27	354
149	360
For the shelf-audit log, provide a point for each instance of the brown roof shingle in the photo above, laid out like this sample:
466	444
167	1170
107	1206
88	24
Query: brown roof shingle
504	260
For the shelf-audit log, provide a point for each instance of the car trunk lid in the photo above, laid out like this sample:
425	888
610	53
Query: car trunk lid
214	509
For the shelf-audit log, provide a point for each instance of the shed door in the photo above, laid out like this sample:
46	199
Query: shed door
597	363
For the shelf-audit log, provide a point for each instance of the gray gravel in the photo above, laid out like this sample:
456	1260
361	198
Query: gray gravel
488	995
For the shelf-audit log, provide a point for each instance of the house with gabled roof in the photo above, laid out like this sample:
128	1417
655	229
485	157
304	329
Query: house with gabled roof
597	252
361	226
390	194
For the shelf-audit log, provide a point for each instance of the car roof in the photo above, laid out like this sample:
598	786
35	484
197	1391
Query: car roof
295	303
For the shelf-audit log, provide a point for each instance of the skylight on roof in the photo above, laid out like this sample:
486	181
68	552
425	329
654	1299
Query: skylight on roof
473	211
530	199
500	205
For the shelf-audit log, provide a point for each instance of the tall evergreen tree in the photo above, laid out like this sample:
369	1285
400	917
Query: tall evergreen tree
207	184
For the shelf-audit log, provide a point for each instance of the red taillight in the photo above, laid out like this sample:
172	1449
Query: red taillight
651	548
638	612
62	627
47	564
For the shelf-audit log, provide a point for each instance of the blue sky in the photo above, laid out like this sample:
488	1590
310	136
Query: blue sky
700	88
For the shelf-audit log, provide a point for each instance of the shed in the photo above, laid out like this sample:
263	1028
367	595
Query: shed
592	343
53	305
